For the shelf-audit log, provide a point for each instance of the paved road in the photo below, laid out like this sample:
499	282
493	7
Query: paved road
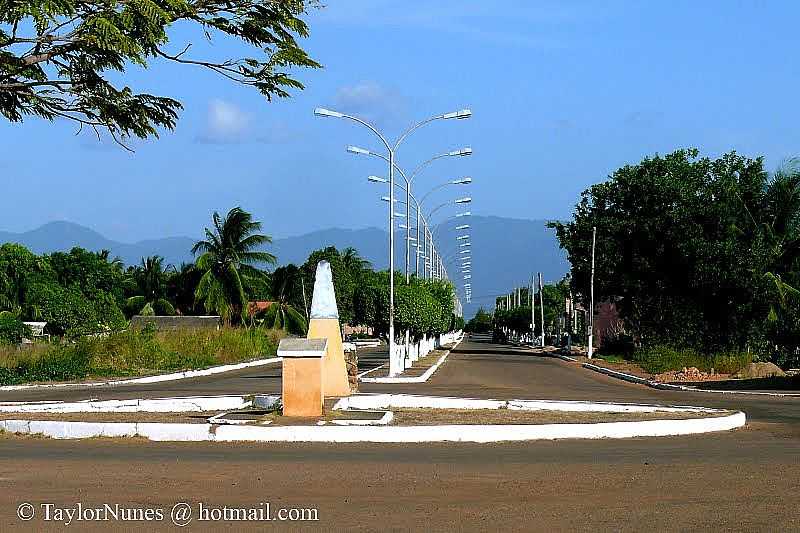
748	479
258	380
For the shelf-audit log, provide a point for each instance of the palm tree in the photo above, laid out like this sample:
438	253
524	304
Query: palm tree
150	278
229	253
780	230
353	262
282	314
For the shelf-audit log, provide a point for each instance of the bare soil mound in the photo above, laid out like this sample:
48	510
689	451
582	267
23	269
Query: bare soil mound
759	370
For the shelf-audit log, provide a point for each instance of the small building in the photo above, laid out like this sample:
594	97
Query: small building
176	323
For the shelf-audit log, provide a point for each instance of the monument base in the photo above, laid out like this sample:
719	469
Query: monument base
334	368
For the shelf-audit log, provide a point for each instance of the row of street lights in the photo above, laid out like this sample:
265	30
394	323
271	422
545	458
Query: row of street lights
434	265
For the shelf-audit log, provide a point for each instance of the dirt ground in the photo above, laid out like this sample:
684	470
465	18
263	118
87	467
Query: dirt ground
402	417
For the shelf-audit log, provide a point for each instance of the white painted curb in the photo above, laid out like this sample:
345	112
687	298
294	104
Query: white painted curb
157	405
411	401
668	386
371	431
147	379
399	434
418	379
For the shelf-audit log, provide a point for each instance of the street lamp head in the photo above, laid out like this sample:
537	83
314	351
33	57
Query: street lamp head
462	227
460	114
357	150
464	252
463	152
377	179
464	214
464	200
462	237
322	112
465	244
462	181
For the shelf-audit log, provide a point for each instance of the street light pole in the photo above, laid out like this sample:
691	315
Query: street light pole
591	298
395	365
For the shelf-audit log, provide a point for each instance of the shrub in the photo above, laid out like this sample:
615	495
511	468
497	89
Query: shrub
12	330
657	359
617	341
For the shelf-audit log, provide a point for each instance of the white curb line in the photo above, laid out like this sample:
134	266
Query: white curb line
147	379
370	430
362	374
400	434
668	386
411	401
156	405
418	379
549	354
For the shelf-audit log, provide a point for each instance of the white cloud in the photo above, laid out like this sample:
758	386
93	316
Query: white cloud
226	123
371	101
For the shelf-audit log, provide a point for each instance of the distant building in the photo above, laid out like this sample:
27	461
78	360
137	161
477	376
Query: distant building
256	307
175	323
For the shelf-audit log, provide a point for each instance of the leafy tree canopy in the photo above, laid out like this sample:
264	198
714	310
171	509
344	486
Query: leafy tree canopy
695	251
58	58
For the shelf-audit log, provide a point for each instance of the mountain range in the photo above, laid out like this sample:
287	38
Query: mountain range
505	251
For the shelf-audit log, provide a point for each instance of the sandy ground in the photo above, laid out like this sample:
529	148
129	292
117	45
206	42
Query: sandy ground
402	417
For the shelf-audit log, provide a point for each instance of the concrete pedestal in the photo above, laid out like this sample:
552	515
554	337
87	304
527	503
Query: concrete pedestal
302	392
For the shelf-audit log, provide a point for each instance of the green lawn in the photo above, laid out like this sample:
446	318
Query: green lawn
134	353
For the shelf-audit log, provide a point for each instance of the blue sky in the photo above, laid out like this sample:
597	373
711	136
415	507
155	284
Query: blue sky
562	94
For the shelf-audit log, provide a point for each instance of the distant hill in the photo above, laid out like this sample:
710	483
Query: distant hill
63	236
505	253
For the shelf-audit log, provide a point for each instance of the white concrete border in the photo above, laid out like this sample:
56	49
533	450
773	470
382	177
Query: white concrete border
668	386
337	433
368	431
146	379
411	401
417	379
156	405
362	374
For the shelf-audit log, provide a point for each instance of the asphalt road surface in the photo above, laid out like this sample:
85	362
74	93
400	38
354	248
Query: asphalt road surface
744	480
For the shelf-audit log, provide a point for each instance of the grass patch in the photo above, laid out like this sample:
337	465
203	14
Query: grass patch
658	359
134	353
612	358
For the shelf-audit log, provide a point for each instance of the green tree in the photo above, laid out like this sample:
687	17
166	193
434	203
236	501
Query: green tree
18	269
181	287
151	283
681	248
91	272
61	59
282	314
12	330
228	262
346	268
481	323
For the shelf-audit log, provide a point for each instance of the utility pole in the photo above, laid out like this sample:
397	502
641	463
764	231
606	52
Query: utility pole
541	306
570	312
532	298
591	298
